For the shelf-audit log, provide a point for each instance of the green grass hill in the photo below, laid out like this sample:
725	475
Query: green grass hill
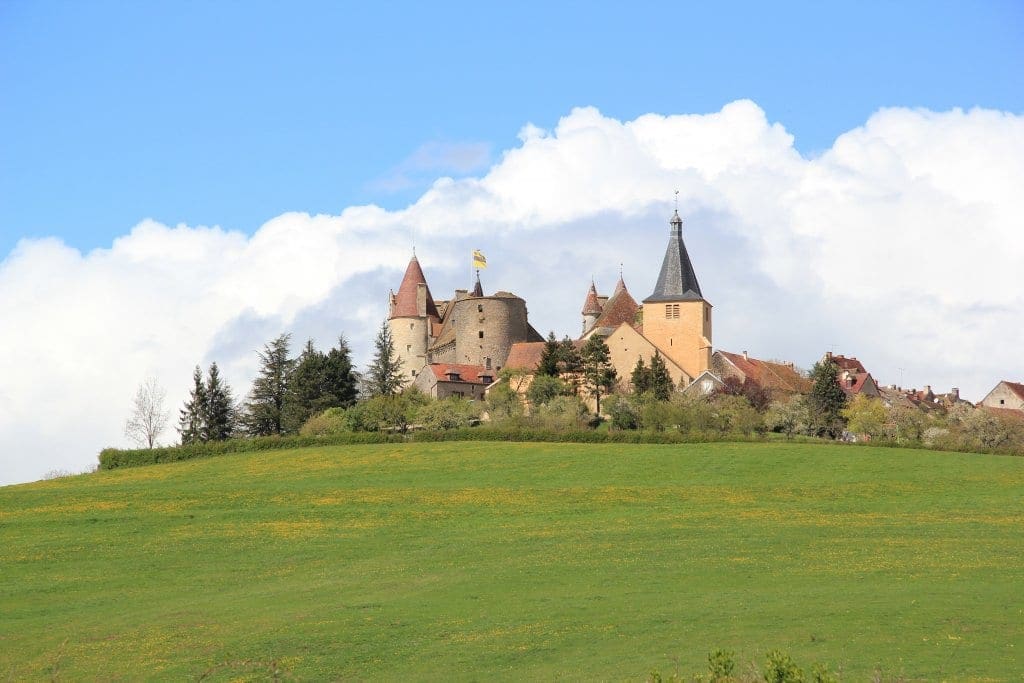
474	561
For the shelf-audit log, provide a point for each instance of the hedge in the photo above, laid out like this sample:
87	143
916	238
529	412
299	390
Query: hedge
113	458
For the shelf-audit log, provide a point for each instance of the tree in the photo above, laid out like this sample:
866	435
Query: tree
192	419
661	382
788	417
264	412
340	382
756	395
306	389
148	417
640	378
827	399
865	415
549	357
219	414
599	376
544	388
385	372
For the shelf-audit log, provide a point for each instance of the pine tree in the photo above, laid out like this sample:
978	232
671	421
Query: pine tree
265	408
569	358
191	423
307	388
827	399
598	374
661	382
549	356
641	377
340	382
219	410
385	372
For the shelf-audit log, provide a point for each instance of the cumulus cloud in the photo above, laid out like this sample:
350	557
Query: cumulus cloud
432	158
900	244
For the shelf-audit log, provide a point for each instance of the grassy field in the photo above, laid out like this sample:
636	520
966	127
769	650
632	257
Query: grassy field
472	561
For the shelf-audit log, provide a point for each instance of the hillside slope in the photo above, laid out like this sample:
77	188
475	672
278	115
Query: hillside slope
469	561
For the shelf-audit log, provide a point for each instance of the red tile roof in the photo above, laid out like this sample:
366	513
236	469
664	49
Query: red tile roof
467	373
591	305
851	364
859	379
769	375
525	356
621	308
1015	388
405	300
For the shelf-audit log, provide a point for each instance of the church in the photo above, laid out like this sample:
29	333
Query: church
457	347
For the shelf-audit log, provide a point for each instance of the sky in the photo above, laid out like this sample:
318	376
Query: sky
181	182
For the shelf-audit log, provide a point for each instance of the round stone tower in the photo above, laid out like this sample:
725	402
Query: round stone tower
412	315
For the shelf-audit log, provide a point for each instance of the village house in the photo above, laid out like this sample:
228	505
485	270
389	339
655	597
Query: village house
853	377
1007	396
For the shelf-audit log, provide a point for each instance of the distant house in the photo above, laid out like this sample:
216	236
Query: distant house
1005	396
705	384
444	380
781	379
853	377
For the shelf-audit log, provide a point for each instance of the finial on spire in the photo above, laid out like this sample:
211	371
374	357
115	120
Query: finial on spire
414	251
677	200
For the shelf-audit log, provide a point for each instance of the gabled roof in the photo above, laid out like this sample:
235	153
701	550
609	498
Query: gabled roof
1016	388
844	363
405	300
677	280
524	356
621	308
591	306
859	380
767	374
466	373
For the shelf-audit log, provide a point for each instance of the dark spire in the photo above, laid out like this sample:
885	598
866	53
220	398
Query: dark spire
677	281
478	289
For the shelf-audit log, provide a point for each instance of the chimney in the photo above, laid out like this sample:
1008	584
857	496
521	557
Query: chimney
828	355
745	356
956	393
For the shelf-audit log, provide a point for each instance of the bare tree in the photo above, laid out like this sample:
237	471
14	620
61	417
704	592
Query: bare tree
148	418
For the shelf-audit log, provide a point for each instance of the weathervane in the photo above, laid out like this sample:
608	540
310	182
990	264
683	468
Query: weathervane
677	200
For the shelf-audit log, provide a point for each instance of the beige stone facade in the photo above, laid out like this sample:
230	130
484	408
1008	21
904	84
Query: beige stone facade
1005	395
626	345
682	332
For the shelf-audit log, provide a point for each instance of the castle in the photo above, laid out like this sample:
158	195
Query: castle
458	346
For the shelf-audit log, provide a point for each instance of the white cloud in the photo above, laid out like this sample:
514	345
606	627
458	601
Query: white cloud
901	244
431	158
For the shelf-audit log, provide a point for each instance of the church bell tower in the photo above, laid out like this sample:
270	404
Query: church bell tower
677	317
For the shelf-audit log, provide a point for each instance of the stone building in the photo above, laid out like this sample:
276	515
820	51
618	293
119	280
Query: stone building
443	380
470	329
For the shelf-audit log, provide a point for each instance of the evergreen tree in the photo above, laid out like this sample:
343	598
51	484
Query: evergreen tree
219	415
264	412
340	382
827	399
307	388
569	358
385	372
192	418
598	374
641	377
549	357
661	382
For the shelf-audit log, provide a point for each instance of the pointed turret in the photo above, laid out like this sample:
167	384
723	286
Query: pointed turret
413	299
478	289
591	308
677	280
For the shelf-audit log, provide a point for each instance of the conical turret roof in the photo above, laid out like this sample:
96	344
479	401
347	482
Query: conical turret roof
405	300
677	281
591	306
478	289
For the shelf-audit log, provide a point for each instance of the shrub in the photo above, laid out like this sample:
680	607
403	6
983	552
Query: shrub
780	668
544	388
721	665
623	413
450	413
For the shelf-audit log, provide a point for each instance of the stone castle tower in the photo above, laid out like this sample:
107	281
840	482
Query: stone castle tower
676	317
413	317
470	329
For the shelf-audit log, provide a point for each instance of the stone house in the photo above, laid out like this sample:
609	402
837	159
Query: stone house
1005	396
444	380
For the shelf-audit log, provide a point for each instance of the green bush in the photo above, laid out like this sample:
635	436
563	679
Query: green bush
450	413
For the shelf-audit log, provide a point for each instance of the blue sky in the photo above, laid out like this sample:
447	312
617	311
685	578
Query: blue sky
230	113
849	176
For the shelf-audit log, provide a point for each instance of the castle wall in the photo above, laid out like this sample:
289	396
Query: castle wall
682	332
626	346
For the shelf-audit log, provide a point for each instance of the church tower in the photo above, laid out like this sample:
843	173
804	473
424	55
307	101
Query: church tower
677	318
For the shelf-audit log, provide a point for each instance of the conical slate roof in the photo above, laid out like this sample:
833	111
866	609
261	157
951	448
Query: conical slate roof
591	306
677	281
405	300
478	289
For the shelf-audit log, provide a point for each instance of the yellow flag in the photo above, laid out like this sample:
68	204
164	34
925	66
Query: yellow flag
479	261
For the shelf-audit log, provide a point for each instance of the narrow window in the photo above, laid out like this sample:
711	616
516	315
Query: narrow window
707	314
675	310
487	363
411	325
668	311
480	308
480	334
408	348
